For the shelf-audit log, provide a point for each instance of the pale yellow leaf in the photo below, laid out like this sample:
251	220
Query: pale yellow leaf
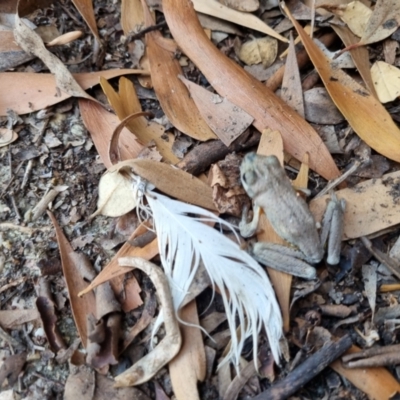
215	9
7	136
115	195
383	22
263	50
132	17
64	39
386	80
126	103
356	16
242	5
370	206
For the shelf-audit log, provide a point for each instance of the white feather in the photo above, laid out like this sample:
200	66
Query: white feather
185	241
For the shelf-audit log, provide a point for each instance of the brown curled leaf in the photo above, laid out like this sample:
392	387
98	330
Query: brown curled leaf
113	150
169	346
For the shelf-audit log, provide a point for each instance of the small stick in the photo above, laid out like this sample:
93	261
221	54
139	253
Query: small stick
392	264
41	132
5	226
306	371
133	36
9	339
205	154
332	184
12	177
375	351
40	207
27	174
381	360
14	204
45	378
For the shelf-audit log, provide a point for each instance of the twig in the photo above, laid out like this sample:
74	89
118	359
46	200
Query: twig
374	357
134	36
312	19
12	177
40	208
205	154
27	174
42	129
5	226
306	371
380	360
9	339
45	378
392	264
14	204
332	184
16	282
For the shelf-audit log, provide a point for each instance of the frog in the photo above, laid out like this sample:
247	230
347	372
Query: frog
266	183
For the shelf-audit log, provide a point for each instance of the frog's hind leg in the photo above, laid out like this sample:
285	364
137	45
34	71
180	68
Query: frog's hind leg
283	259
332	228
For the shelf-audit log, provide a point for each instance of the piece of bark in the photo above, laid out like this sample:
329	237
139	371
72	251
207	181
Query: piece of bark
10	369
205	154
47	311
306	371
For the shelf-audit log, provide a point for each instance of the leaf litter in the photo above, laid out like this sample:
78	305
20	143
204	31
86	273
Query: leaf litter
57	166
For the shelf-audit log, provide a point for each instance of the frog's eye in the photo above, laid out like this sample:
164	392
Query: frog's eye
273	161
249	178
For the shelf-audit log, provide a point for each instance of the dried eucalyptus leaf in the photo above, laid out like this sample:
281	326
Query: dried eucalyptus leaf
115	195
172	181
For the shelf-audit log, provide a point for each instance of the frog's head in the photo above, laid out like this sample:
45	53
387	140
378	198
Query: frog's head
256	168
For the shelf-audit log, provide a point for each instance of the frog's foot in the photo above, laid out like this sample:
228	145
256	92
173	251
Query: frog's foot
248	229
283	258
332	228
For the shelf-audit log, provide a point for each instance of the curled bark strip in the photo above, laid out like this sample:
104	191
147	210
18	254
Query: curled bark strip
170	345
113	150
374	357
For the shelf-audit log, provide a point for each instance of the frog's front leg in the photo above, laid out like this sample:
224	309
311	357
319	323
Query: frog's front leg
248	229
283	258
